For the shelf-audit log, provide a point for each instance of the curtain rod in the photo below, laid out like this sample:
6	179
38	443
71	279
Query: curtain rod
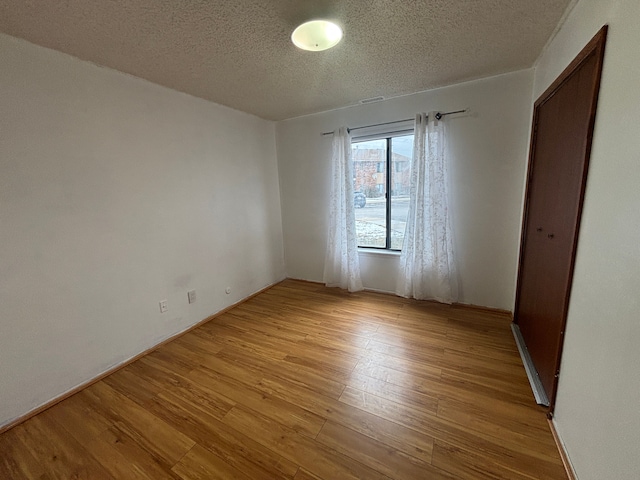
438	116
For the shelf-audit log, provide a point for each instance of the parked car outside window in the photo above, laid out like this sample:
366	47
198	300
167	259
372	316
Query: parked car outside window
359	199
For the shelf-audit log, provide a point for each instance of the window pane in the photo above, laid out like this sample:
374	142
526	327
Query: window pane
369	161
401	155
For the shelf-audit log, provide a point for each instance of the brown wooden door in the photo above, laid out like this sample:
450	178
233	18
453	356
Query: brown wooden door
560	147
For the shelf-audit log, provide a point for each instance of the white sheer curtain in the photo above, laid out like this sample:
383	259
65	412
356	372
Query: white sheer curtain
427	268
342	266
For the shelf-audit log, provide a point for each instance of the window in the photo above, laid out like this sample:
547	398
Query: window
382	168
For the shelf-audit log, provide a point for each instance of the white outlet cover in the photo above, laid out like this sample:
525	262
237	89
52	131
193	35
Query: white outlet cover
191	295
163	306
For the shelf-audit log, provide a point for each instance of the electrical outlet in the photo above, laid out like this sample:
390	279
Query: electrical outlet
191	295
163	306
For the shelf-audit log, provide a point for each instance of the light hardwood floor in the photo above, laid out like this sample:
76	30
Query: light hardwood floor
305	382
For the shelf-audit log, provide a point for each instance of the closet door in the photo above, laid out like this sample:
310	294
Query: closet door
563	124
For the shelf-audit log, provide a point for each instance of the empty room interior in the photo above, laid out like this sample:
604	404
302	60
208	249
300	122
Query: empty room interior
319	239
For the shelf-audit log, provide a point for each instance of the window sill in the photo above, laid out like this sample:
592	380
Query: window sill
378	252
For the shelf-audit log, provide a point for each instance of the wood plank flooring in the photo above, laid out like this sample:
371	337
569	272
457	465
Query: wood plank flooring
304	382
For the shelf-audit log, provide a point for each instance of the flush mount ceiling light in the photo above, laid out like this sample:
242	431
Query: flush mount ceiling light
316	35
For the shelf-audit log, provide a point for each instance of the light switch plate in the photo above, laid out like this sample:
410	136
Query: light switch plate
191	295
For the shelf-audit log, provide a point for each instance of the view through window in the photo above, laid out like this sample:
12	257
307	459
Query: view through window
382	167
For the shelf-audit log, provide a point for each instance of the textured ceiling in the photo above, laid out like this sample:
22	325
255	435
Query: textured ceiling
238	53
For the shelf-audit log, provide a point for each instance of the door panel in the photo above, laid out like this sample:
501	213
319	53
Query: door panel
560	148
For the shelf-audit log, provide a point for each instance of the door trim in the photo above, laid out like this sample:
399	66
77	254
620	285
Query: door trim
594	47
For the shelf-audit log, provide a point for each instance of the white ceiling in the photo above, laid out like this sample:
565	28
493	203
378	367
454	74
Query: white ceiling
238	53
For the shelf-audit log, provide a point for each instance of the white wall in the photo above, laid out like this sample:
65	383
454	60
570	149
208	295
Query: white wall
598	404
114	194
489	155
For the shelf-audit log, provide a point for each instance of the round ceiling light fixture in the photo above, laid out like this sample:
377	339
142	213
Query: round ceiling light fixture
316	35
